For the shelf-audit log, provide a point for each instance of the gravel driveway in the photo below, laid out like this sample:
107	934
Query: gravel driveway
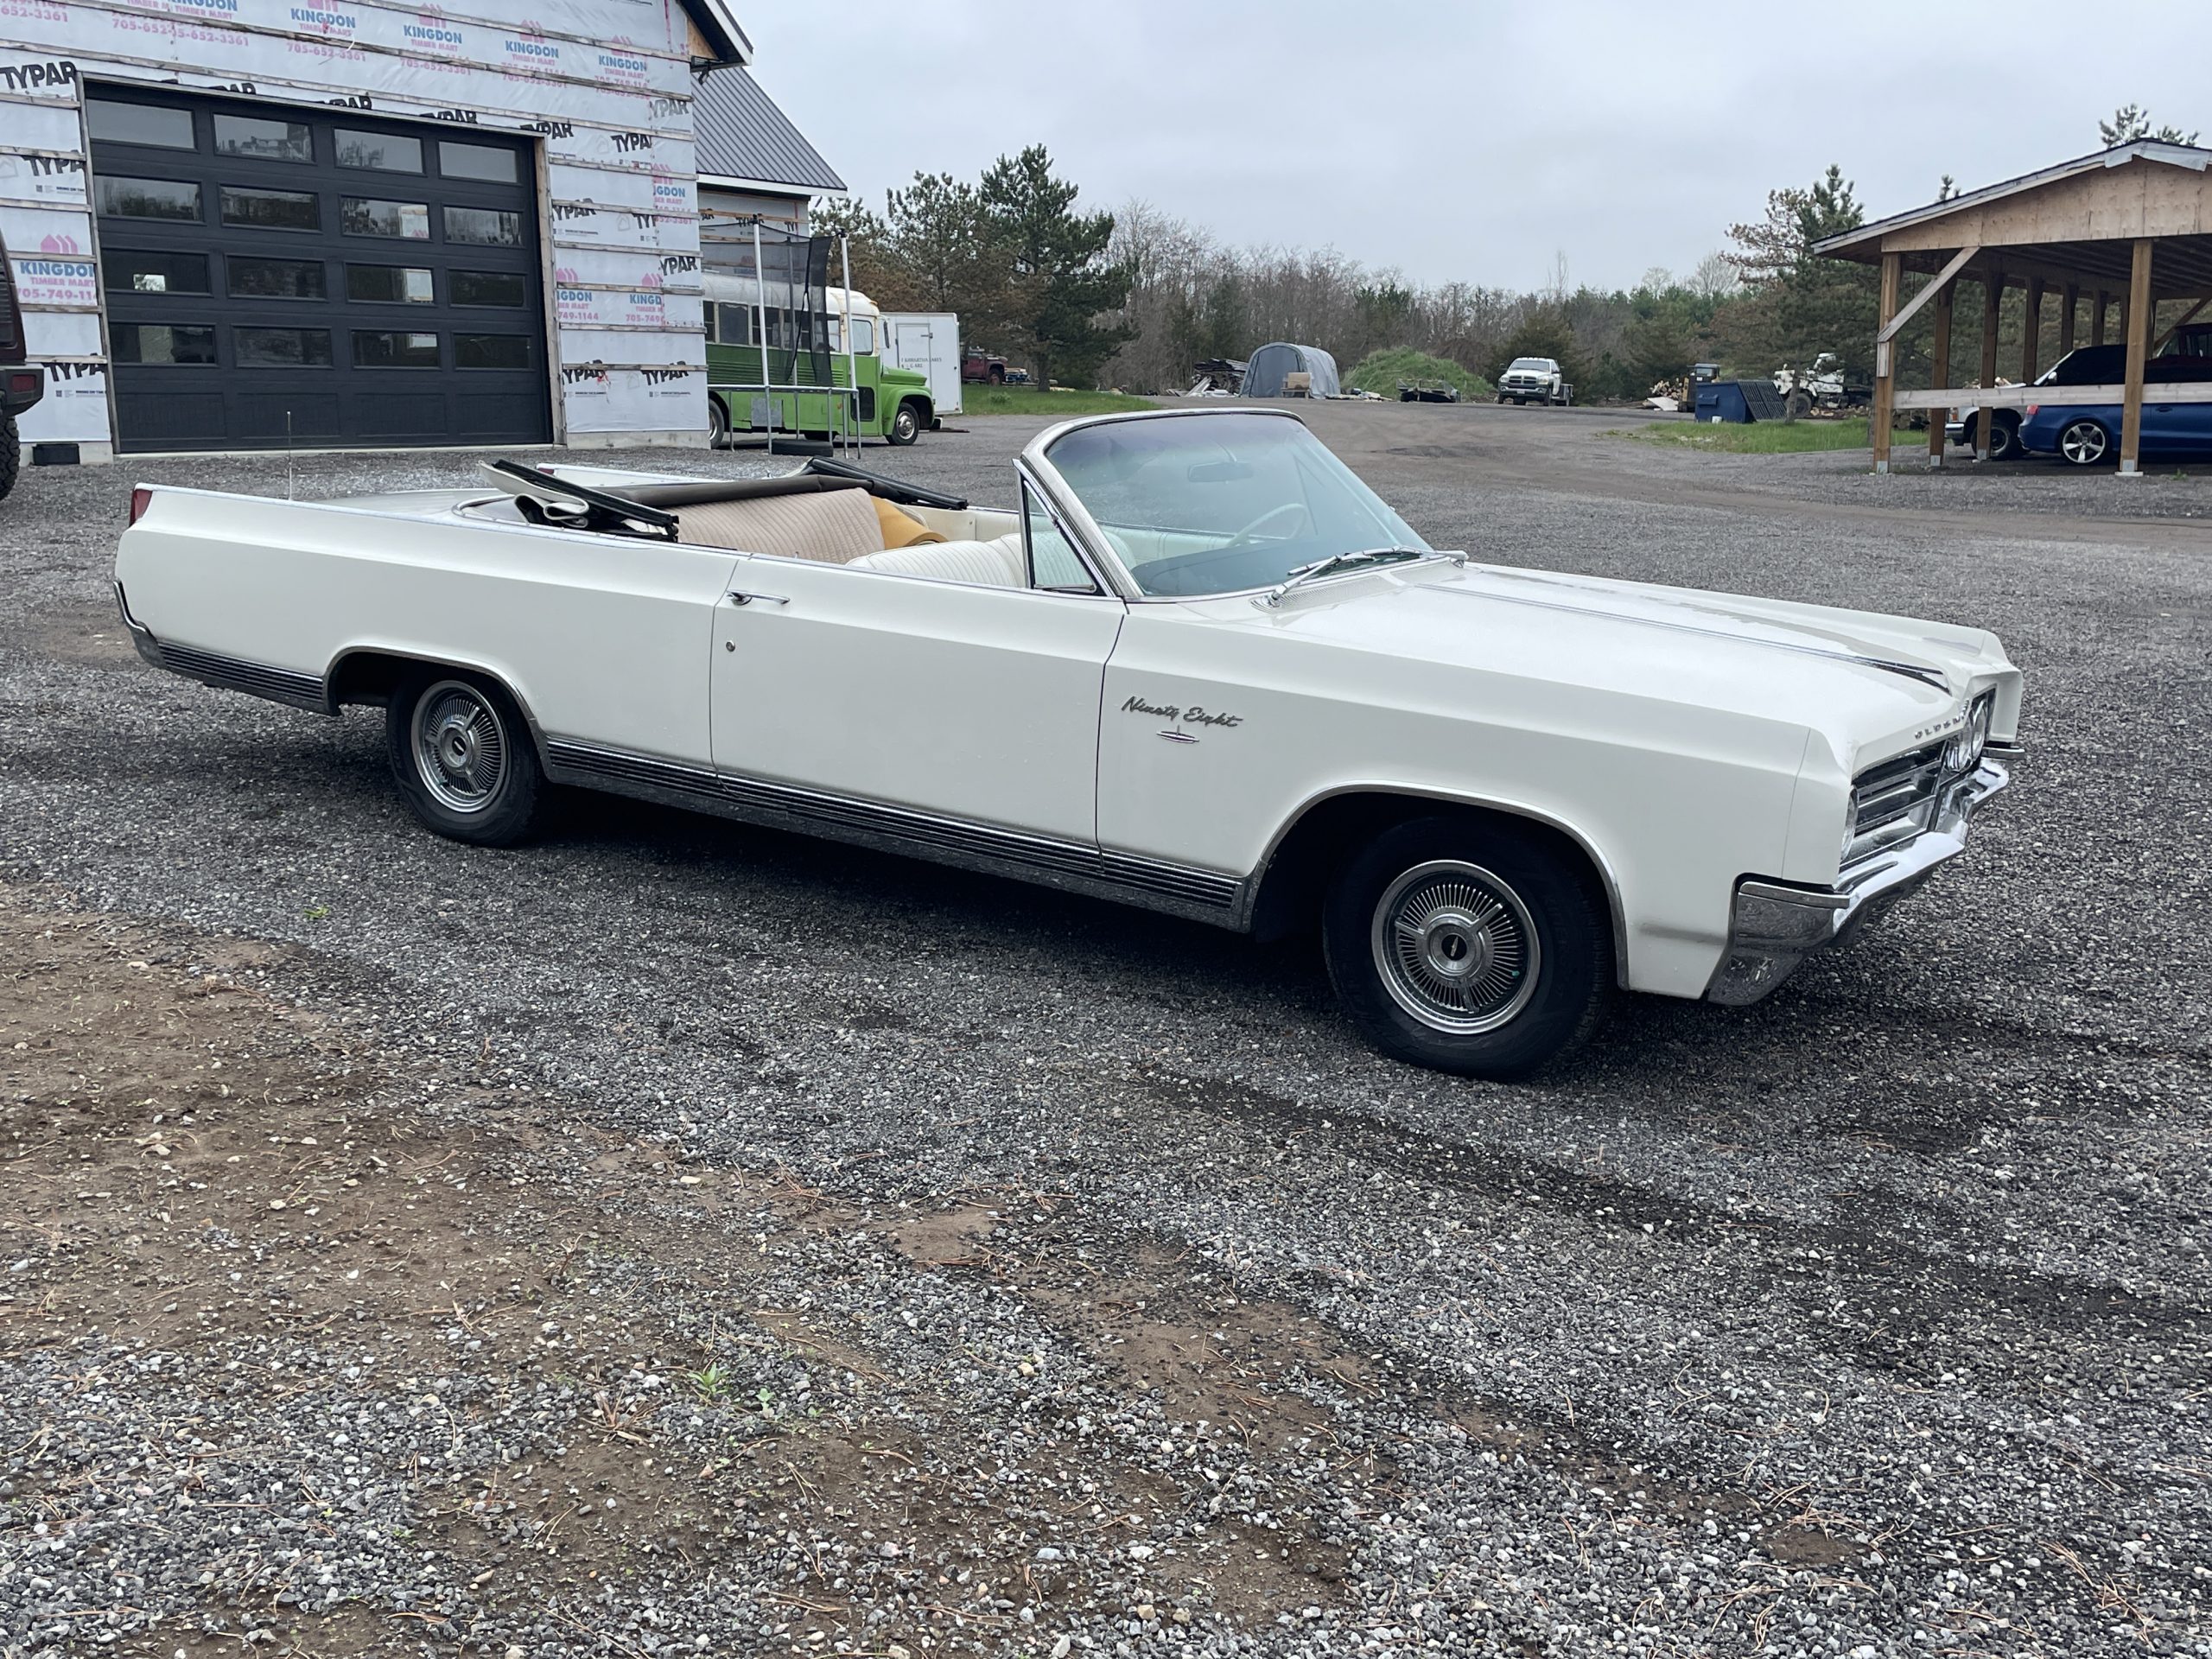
765	1246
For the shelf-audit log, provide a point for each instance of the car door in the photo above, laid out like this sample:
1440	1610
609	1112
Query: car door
973	703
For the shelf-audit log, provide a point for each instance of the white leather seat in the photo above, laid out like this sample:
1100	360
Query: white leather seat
987	564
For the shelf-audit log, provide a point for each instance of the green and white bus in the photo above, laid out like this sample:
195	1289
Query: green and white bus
894	404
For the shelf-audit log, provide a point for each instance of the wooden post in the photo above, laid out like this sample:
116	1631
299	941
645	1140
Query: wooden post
2031	334
1939	351
1885	362
2097	321
1992	310
2138	342
2066	318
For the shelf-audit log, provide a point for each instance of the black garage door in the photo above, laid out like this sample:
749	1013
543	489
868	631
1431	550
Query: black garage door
281	276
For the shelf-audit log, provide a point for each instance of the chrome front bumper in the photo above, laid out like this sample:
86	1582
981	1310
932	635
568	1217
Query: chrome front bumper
1775	927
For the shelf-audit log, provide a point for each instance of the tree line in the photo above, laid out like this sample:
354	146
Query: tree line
1135	297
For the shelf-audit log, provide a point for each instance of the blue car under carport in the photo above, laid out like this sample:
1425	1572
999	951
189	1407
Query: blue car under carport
2088	435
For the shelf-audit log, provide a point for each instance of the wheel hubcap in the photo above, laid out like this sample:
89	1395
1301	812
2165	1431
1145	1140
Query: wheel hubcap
460	747
1456	947
2084	444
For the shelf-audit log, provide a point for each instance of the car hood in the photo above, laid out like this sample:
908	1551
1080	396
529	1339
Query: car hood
1873	685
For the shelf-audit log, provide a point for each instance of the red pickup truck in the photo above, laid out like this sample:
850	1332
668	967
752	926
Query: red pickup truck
982	366
21	381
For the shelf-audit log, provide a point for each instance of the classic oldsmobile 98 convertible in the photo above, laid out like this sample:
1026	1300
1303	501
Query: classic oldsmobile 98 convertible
1199	666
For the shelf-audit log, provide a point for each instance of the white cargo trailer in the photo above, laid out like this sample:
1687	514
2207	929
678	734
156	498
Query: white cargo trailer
929	343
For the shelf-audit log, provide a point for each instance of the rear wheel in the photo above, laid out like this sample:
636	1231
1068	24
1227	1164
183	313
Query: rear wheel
2004	439
11	454
2084	443
906	424
463	757
717	424
1468	947
1797	405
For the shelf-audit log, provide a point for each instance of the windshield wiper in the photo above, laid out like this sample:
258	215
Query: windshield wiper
1335	562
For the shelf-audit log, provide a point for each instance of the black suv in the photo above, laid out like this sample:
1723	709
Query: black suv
22	383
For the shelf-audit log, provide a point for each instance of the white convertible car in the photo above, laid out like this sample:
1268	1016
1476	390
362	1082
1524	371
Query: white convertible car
1199	666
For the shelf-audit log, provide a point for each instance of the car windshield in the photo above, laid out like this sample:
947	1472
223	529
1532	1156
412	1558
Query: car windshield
1541	363
1222	504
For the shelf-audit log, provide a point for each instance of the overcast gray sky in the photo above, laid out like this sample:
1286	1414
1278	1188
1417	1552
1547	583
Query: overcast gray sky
1474	142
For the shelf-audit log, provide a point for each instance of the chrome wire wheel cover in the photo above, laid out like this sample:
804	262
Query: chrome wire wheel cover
461	746
1456	947
2083	444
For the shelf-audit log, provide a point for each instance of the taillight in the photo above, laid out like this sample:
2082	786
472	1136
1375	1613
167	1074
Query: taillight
2029	413
22	382
139	500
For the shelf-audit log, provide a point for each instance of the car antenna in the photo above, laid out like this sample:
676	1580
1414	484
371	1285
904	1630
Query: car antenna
288	454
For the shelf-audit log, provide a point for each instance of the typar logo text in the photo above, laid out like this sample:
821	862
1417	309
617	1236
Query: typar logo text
37	76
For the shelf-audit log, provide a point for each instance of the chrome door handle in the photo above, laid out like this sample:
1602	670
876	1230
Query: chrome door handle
737	598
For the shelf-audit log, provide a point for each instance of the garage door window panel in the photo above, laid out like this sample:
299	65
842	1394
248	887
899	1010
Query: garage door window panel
276	279
157	126
509	290
174	344
401	221
132	270
169	199
489	227
491	351
495	164
271	210
250	138
394	348
390	285
379	152
281	348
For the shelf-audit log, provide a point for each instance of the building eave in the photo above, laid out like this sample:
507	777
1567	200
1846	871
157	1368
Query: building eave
763	187
718	24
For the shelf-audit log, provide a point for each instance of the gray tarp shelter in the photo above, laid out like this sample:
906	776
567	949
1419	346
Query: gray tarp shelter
1272	364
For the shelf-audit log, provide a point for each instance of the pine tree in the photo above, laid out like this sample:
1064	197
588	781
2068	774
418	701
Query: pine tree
1059	278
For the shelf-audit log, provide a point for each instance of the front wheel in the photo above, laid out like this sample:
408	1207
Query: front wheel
2003	440
717	424
906	424
463	757
1468	947
2084	443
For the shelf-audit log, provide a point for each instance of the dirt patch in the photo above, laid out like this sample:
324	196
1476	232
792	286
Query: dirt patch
89	636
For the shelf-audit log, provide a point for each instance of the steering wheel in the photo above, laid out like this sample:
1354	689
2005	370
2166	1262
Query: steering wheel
1250	533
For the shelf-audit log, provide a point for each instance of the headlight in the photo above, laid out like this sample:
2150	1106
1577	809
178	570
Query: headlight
1963	751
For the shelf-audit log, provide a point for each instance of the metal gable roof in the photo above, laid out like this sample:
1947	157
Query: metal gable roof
2148	149
742	135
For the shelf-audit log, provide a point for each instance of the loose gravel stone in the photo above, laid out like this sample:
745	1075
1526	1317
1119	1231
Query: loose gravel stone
831	1252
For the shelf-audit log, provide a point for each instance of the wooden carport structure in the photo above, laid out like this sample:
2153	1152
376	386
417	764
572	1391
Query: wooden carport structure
2132	224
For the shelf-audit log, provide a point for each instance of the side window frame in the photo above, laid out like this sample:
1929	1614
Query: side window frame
1033	501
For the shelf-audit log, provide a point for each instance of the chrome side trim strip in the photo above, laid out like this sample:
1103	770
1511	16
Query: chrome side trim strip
1909	671
1205	895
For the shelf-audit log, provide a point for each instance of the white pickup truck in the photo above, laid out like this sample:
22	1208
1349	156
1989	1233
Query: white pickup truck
1533	380
1199	666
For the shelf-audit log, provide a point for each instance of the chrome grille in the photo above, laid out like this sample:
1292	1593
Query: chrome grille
1894	801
